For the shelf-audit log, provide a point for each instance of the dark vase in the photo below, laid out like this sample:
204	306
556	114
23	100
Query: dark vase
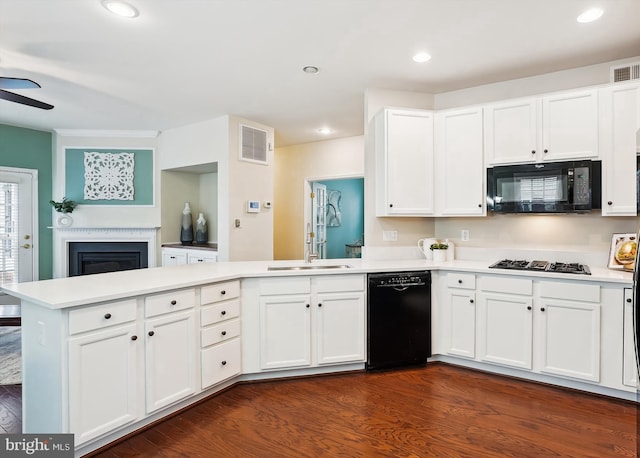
186	230
202	234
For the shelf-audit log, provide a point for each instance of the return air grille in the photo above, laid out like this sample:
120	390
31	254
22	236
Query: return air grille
253	144
628	72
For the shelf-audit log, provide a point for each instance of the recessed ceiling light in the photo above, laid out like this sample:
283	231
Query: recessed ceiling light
590	15
120	8
310	69
421	57
325	131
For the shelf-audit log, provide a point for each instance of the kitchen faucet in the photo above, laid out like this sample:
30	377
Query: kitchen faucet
309	255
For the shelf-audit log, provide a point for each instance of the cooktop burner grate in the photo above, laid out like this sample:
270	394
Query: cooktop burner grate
542	266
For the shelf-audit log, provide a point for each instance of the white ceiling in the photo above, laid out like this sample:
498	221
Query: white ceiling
184	61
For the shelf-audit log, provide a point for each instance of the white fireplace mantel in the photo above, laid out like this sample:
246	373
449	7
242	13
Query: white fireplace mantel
62	236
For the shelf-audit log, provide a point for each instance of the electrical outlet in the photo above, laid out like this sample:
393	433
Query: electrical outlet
464	235
237	222
389	236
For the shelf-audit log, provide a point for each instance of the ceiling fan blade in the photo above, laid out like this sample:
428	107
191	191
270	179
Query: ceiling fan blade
17	83
10	96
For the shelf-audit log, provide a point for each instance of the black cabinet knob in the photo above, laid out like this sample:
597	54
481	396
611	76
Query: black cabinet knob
224	312
546	151
224	333
533	151
134	337
151	333
459	282
479	205
308	305
319	305
629	300
471	301
174	302
107	316
390	205
609	203
224	363
528	307
542	309
223	292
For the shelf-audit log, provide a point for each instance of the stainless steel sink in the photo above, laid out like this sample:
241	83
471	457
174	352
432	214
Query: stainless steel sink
310	267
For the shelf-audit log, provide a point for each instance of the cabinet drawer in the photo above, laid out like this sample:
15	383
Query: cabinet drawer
337	283
219	332
219	312
220	362
99	316
579	291
169	302
285	285
219	292
460	280
508	285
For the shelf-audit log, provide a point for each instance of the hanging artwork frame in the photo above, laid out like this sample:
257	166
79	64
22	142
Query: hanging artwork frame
623	251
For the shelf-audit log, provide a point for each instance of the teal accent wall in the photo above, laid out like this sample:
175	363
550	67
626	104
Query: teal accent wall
142	176
33	149
352	209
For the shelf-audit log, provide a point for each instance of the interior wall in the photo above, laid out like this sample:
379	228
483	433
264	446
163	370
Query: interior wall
294	165
32	149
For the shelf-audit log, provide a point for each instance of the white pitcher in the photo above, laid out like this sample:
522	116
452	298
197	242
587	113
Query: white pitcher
424	245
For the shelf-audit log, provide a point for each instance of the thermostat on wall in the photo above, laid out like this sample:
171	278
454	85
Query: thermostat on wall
253	206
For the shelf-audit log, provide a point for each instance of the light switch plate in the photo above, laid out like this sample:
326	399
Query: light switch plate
389	236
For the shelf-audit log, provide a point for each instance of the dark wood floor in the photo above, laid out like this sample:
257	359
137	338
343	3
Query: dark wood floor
10	409
440	410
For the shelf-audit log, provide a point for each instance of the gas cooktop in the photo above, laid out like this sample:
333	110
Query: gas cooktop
542	266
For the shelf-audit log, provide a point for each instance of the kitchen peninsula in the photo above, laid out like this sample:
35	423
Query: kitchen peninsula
107	354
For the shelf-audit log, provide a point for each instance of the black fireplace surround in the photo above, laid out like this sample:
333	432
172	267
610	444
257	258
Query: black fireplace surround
87	258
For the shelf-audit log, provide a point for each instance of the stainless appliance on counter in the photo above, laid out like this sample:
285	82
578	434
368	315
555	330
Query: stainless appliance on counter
547	187
542	266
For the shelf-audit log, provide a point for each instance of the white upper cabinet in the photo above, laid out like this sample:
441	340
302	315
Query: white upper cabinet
619	120
404	162
562	126
459	163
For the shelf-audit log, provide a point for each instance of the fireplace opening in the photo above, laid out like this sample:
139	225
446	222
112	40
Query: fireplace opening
86	258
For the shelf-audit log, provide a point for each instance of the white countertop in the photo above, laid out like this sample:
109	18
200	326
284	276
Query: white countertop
73	291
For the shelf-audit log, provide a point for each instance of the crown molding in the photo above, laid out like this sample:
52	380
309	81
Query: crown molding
107	133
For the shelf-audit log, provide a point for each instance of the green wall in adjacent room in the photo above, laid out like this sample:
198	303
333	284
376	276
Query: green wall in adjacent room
32	149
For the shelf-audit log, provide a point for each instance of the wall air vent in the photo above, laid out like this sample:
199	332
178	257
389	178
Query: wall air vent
627	72
254	145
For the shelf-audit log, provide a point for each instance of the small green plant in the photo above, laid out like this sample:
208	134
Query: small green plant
439	246
64	206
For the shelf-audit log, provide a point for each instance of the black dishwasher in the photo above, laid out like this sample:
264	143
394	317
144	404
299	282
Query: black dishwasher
398	319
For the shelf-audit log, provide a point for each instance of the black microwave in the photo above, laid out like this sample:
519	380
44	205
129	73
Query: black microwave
548	187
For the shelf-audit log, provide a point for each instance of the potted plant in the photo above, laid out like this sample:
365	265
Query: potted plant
64	206
439	251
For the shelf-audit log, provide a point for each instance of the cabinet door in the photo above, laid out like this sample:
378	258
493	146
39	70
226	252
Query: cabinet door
630	370
461	327
510	130
570	125
102	382
201	256
220	362
170	359
570	338
173	257
285	331
339	327
505	328
404	164
460	163
619	120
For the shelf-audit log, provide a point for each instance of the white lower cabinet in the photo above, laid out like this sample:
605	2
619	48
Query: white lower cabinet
172	256
102	388
506	321
460	315
630	371
307	321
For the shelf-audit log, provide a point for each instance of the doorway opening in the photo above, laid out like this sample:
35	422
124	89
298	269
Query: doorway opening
335	211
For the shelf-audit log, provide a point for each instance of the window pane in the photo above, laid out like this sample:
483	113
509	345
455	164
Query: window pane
8	231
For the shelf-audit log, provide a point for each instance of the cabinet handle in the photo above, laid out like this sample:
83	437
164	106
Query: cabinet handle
609	203
224	363
224	333
390	205
528	307
546	151
174	302
308	306
151	333
629	300
471	301
479	205
107	316
223	292
172	257
134	337
459	282
542	309
224	312
533	151
319	305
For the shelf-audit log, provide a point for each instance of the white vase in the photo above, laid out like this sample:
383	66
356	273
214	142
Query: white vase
439	255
